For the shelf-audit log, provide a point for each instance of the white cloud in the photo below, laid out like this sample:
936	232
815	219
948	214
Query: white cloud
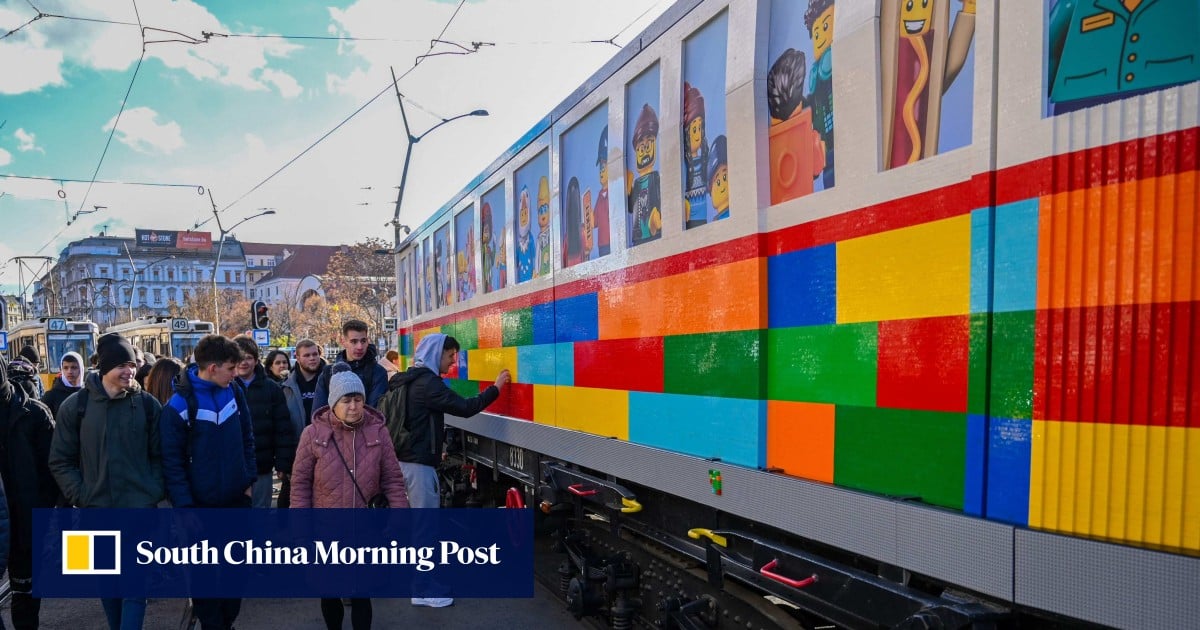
287	85
5	158
40	66
27	141
140	130
43	47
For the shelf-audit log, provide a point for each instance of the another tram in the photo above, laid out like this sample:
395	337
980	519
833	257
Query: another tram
165	336
53	337
944	375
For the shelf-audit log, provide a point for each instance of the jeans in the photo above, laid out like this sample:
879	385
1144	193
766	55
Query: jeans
124	614
261	493
421	482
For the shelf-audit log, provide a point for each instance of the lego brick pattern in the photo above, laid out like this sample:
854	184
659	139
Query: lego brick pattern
1032	362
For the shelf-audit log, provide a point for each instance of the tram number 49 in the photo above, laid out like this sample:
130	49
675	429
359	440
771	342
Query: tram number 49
516	458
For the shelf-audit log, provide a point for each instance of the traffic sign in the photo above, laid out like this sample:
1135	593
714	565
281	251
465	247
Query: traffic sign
179	324
262	337
56	324
389	324
3	340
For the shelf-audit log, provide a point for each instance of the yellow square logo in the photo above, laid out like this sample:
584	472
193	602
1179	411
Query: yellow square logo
91	552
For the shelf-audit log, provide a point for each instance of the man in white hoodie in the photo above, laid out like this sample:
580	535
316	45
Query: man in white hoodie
68	381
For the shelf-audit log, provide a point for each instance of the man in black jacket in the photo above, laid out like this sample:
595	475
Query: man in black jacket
26	429
358	352
274	435
428	400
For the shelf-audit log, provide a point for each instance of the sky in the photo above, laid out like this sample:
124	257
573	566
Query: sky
217	116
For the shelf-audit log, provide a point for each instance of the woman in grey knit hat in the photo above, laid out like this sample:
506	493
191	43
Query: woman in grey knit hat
345	460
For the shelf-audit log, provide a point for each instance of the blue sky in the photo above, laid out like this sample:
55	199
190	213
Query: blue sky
226	113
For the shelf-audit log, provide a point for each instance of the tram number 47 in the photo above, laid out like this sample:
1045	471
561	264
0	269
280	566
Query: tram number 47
516	458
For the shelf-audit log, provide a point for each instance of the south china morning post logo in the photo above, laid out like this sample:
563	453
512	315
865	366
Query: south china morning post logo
286	553
91	552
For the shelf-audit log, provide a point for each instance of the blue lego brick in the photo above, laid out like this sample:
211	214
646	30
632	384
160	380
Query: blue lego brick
802	287
1009	450
732	429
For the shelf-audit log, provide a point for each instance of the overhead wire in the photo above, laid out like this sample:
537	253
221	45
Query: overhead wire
111	133
343	121
100	181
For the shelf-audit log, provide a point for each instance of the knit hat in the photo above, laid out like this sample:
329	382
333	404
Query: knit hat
114	350
343	382
31	355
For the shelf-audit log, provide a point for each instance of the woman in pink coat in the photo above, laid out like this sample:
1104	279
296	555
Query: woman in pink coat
347	436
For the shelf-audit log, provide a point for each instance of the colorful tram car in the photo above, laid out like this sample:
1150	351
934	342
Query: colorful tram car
962	344
165	336
53	337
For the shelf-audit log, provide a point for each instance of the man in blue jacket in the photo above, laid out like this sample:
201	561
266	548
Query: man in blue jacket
208	459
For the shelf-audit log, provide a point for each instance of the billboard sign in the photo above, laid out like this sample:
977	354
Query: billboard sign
194	240
155	238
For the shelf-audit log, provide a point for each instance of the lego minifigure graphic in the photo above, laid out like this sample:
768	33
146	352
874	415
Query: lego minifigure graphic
463	285
919	63
487	246
524	239
695	159
429	280
601	208
589	224
1118	47
819	20
644	192
543	240
718	167
572	225
502	261
439	277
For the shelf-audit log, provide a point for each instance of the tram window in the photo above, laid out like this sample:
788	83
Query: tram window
62	344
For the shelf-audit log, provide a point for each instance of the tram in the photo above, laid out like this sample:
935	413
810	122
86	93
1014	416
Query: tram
164	336
901	339
53	337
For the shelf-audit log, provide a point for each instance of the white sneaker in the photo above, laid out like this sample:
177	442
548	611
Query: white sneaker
433	602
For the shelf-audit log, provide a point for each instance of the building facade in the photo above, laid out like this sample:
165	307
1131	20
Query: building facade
103	278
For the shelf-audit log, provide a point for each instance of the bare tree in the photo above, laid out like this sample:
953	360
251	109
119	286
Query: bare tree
235	309
361	281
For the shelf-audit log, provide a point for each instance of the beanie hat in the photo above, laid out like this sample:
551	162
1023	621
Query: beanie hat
342	382
31	355
114	350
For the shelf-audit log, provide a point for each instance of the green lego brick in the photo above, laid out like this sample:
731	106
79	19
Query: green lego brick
466	389
902	452
978	363
467	333
517	327
827	364
727	364
1012	364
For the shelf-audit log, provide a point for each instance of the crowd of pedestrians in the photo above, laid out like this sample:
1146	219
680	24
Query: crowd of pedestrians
218	432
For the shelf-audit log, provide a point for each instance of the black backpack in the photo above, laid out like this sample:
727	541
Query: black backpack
394	407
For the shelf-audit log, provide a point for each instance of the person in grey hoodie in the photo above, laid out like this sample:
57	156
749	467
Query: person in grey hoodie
428	402
68	381
108	454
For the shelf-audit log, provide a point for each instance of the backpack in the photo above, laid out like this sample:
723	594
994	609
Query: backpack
394	407
135	401
192	405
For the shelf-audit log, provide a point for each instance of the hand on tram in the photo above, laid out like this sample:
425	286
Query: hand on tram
503	379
